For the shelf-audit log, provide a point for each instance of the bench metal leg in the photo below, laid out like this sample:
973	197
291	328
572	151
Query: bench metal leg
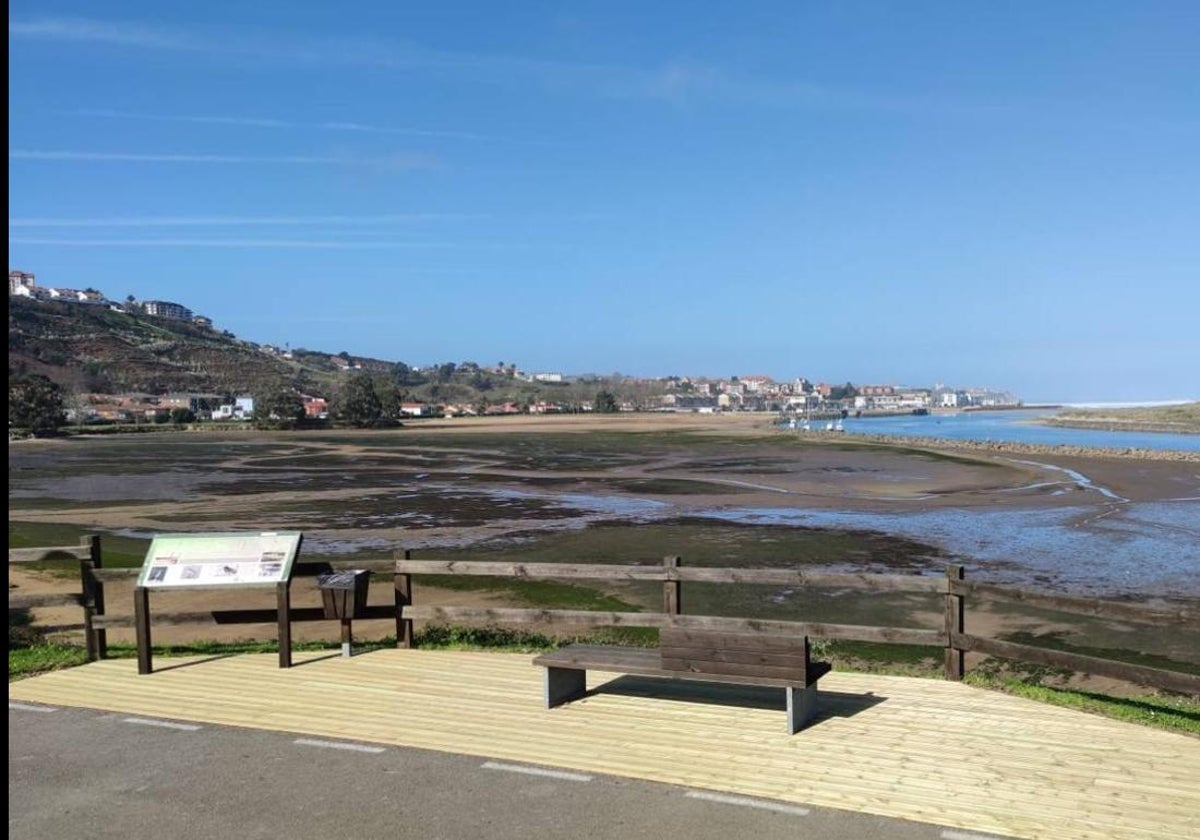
564	685
801	707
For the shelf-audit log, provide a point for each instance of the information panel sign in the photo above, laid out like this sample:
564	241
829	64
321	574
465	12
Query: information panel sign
177	561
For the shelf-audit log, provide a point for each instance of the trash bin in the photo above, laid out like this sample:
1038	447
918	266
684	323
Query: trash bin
344	594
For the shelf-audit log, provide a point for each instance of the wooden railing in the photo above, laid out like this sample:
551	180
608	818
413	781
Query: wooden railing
671	574
951	637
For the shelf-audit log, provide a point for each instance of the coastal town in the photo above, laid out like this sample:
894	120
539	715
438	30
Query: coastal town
799	398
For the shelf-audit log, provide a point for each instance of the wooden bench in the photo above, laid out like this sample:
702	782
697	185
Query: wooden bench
741	658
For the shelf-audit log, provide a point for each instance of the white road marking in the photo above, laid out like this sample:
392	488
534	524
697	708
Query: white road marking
339	745
165	724
966	835
726	799
26	708
536	771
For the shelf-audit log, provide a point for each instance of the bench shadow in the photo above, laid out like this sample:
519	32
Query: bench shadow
189	663
830	704
337	654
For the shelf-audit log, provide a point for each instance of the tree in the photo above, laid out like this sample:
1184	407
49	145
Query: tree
182	415
605	403
35	403
446	371
357	403
391	400
281	407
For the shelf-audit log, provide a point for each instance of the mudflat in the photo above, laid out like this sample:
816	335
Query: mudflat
718	489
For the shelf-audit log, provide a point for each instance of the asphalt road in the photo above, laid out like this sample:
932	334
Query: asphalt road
78	773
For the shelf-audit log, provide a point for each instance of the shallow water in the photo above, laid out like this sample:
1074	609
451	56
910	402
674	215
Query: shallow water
1132	549
1013	427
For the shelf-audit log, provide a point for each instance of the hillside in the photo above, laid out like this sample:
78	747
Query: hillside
94	349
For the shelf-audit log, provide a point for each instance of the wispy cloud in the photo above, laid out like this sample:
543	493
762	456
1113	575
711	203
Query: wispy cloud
122	33
269	122
399	161
306	244
292	49
239	221
666	81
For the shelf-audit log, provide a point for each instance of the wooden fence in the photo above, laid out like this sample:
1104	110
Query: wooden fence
671	574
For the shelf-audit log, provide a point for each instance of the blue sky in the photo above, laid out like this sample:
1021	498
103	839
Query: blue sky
992	194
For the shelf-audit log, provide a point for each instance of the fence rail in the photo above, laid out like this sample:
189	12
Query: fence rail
671	574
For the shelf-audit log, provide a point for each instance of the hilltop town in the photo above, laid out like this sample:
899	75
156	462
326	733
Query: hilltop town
135	361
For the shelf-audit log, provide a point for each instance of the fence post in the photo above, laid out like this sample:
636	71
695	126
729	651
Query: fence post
672	589
283	600
88	599
141	618
97	562
403	586
954	625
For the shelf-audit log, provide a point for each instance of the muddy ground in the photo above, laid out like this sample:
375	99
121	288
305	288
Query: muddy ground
598	489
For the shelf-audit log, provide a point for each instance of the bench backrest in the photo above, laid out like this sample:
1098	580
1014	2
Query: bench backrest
735	654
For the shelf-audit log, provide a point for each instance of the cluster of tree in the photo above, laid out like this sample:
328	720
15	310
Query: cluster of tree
368	401
34	403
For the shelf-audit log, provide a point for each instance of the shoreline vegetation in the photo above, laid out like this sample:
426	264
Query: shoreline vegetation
1183	419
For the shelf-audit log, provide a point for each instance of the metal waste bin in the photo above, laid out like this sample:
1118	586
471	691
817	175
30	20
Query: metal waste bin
344	596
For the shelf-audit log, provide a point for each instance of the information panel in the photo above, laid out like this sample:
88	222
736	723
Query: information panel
177	561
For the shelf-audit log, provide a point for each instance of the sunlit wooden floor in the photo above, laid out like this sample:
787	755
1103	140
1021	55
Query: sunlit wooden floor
926	750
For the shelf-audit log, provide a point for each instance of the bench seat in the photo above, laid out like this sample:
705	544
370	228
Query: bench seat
566	669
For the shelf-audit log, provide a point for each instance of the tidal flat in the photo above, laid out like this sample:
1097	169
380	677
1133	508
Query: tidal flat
715	490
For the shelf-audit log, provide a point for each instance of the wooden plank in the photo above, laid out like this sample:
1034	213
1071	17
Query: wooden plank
1140	674
599	571
64	628
794	577
797	661
588	618
39	553
531	571
26	602
312	568
248	616
111	575
601	656
1177	617
688	637
735	669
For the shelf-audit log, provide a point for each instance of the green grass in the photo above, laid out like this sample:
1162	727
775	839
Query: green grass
1176	714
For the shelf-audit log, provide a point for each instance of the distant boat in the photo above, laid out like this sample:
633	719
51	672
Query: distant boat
838	427
829	427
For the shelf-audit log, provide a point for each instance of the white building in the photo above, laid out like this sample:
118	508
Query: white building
167	309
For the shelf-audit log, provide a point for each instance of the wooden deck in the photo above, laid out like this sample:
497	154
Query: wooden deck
926	750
